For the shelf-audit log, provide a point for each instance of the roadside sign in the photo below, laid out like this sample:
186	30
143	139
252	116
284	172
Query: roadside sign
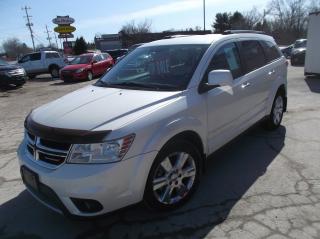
64	29
63	20
68	35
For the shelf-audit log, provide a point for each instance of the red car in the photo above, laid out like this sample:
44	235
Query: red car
86	67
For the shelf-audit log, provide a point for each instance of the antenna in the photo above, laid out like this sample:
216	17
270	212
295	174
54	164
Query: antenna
29	24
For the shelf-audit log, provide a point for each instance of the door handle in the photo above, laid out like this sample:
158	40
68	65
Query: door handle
271	72
245	85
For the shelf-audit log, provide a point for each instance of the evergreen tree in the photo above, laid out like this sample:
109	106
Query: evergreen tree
80	46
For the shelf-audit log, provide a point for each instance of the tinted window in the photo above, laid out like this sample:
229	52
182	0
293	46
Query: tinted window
35	56
226	58
271	50
97	58
52	55
106	55
83	59
252	54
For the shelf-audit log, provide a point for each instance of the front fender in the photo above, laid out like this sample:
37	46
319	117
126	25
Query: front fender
172	128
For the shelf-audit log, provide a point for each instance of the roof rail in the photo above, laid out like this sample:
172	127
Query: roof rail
227	32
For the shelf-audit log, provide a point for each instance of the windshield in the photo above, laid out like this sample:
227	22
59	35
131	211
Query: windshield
2	62
168	67
81	60
300	44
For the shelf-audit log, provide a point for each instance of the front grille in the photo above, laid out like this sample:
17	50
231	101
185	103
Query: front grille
43	150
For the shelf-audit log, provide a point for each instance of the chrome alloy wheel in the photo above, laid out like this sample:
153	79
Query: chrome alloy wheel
278	110
174	178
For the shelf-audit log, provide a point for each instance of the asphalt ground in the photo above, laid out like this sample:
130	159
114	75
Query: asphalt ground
261	185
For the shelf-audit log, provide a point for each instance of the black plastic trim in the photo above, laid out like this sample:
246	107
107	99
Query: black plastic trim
70	136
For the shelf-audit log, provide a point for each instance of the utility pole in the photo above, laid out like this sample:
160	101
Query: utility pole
48	38
55	37
204	15
29	25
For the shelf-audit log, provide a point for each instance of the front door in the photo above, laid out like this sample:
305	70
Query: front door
225	108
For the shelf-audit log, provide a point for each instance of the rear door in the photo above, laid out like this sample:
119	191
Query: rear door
256	79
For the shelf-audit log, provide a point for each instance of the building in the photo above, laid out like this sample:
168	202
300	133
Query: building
107	42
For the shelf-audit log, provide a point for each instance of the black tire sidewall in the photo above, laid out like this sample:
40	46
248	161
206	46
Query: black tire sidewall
51	72
173	146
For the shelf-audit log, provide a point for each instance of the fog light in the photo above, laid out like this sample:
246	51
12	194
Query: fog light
87	205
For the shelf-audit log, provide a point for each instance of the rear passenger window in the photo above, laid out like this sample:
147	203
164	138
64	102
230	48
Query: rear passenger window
253	55
271	50
50	55
226	58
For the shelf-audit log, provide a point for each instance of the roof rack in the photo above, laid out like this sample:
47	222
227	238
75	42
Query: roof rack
227	32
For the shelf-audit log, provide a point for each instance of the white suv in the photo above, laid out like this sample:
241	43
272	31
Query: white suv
145	129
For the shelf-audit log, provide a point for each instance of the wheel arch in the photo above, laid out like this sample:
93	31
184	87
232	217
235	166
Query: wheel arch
53	66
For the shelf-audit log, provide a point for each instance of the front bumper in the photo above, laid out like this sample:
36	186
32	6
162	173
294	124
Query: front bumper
114	185
74	76
14	80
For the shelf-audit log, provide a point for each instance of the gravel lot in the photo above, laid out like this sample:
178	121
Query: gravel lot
262	185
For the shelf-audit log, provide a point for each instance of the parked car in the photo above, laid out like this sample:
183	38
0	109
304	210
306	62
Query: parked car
130	49
298	53
86	67
117	53
11	74
312	61
144	131
286	51
42	62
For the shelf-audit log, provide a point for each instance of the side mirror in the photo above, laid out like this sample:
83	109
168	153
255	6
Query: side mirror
217	78
220	77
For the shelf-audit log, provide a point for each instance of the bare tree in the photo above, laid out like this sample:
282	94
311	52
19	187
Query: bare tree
14	48
133	28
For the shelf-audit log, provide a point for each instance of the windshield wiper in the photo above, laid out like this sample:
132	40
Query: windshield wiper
139	85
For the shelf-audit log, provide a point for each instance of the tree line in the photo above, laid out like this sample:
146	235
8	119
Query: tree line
285	20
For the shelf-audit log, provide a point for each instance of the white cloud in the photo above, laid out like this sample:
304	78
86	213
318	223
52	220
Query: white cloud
164	9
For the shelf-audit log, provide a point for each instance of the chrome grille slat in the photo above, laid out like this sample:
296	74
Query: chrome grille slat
43	154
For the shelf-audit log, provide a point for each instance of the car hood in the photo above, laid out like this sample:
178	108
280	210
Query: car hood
75	67
9	67
93	107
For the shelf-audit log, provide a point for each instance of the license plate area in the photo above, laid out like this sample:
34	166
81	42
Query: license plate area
30	178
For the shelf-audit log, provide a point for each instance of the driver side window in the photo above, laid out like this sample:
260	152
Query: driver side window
226	58
24	59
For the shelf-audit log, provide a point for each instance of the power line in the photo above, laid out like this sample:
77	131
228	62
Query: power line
48	38
29	25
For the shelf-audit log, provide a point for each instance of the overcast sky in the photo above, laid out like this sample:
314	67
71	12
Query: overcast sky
105	16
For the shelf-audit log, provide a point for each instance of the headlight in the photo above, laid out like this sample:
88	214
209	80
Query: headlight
80	70
105	152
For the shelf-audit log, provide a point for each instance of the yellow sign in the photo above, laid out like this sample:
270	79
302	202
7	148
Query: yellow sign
64	29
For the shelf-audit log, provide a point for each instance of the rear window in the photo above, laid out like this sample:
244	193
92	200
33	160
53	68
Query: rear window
253	55
271	50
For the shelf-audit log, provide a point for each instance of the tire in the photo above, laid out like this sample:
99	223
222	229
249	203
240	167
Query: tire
173	189
54	71
273	120
89	76
31	76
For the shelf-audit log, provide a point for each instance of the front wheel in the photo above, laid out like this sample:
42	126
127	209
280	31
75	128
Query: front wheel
89	76
273	121
173	177
54	71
